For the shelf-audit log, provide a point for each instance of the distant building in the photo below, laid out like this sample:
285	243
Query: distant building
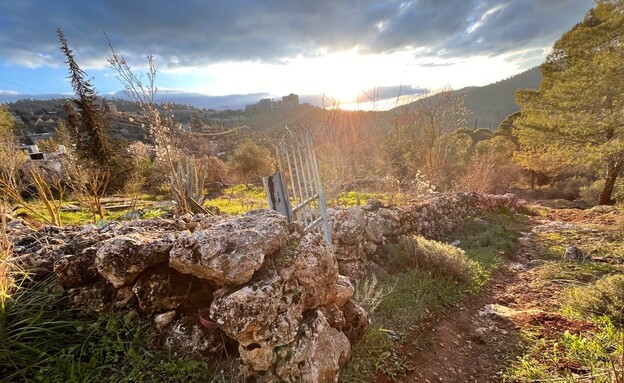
290	101
35	137
287	102
33	152
265	104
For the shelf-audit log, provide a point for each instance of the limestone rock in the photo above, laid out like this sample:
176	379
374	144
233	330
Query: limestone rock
40	263
265	313
345	253
335	316
348	232
314	268
316	355
161	288
257	358
121	259
162	320
376	228
340	293
77	270
94	298
573	253
356	321
187	338
87	236
601	209
354	269
124	297
230	252
394	214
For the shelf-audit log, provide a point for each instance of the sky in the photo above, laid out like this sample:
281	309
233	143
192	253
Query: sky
228	53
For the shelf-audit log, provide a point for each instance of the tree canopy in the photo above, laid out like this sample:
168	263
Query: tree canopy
575	118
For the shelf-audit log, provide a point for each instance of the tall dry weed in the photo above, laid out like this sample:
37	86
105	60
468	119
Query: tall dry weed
7	280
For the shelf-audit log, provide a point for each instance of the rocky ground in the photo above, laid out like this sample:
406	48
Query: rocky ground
479	339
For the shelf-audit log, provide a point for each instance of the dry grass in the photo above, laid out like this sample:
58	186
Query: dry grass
439	258
7	280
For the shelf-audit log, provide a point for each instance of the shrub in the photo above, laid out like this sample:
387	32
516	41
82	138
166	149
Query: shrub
591	192
618	191
571	187
604	297
369	293
484	174
439	258
251	162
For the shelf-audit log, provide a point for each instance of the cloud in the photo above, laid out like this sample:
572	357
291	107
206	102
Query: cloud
195	32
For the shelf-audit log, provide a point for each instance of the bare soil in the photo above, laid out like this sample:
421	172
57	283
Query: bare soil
476	340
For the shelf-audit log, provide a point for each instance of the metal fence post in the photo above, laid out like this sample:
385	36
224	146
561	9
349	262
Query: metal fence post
305	202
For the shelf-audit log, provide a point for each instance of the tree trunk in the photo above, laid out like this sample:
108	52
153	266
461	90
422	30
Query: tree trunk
613	171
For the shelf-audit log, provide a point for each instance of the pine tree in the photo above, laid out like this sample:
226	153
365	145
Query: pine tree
576	117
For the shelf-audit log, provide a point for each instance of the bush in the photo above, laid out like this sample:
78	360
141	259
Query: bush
604	297
369	293
618	191
571	187
251	162
591	192
439	258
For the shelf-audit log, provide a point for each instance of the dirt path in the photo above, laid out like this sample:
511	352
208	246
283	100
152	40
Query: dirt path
476	340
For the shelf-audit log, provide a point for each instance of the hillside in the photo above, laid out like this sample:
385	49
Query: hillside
490	104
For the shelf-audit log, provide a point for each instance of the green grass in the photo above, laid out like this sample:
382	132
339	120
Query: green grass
604	297
595	295
415	292
439	258
593	356
488	238
422	289
44	341
234	200
239	199
577	272
355	198
375	353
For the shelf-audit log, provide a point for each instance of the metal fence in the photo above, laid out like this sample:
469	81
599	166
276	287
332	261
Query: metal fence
296	190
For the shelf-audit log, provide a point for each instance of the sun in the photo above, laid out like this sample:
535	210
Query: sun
341	76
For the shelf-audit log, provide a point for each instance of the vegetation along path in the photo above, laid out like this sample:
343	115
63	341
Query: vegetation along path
537	317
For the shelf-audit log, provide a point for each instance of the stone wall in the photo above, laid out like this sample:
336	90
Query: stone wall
359	233
253	282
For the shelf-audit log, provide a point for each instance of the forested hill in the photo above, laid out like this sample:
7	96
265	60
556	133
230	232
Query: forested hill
489	105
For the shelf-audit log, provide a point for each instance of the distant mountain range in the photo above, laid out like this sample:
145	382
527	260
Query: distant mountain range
487	105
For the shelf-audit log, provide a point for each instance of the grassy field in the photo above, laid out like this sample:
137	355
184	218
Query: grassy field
234	200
